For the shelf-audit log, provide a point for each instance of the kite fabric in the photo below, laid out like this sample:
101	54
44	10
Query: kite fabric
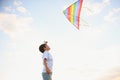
73	13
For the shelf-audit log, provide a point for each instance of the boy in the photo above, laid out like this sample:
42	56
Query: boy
47	61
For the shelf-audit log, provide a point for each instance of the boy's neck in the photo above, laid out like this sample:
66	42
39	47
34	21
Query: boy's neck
47	50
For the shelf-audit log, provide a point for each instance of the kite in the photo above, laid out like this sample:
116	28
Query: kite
73	13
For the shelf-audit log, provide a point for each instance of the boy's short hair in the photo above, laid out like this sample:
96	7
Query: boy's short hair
41	48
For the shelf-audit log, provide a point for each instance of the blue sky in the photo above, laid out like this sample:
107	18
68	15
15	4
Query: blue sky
91	53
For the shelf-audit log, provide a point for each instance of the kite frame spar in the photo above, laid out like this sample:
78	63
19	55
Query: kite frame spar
73	13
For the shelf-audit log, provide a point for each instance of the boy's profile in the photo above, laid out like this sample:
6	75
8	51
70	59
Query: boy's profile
47	61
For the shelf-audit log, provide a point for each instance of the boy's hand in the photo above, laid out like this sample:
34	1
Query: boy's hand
48	71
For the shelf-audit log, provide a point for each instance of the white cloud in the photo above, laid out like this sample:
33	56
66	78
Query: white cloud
85	62
112	74
106	1
21	9
18	7
113	15
8	8
95	8
13	24
17	3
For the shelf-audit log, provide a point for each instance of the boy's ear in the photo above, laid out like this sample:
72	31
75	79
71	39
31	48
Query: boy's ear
44	48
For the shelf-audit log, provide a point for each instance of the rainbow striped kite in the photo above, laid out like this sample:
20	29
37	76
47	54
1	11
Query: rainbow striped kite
73	13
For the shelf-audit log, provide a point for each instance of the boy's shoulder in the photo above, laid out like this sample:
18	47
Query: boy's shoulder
46	53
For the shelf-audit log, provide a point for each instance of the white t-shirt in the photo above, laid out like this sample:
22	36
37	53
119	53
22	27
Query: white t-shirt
49	58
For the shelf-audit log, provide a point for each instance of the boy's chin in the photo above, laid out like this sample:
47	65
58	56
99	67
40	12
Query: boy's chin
49	49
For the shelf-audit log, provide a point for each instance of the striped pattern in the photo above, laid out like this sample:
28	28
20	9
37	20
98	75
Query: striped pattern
73	13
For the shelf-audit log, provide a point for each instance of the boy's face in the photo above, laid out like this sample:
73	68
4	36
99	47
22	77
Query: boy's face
47	48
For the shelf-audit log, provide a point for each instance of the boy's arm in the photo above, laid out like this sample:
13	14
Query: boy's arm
46	67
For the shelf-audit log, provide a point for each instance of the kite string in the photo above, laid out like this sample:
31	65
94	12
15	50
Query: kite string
90	10
85	23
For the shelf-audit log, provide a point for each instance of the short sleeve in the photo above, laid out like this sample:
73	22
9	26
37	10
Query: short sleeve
45	55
